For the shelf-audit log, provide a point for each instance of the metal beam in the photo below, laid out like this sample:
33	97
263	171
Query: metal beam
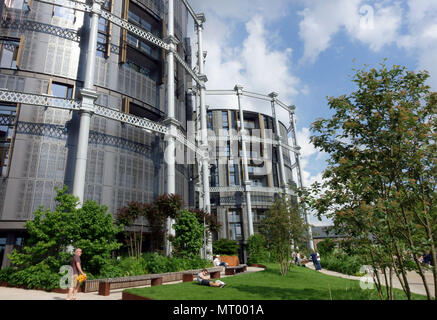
191	11
38	100
188	69
122	23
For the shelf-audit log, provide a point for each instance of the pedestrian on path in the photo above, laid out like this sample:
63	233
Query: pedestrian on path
75	264
315	257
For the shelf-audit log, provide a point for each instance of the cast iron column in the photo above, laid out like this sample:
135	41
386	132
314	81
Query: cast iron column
88	96
247	182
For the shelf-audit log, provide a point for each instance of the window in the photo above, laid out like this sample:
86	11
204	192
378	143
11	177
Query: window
249	124
233	120
64	13
275	174
235	226
138	44
7	123
257	217
61	90
209	120
233	174
103	33
140	111
138	68
225	123
214	173
133	17
9	54
16	4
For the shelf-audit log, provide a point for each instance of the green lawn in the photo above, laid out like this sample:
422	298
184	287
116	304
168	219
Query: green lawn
299	284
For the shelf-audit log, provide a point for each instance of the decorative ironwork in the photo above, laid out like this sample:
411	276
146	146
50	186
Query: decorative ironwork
75	5
130	119
135	30
27	25
114	19
38	100
42	129
187	68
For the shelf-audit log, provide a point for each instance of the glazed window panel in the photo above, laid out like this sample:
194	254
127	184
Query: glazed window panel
9	54
235	225
61	90
7	124
64	13
214	173
15	4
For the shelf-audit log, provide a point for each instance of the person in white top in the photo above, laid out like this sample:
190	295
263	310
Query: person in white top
218	263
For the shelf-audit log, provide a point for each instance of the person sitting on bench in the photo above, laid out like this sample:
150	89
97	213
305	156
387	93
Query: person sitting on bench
218	263
204	281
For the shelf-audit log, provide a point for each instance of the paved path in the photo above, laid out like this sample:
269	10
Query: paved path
22	294
415	281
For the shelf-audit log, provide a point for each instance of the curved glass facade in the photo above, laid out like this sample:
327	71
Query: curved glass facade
42	50
228	200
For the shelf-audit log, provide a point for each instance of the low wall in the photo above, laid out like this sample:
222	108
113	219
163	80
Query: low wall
93	285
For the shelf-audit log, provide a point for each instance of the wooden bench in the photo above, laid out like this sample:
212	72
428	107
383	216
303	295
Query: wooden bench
105	285
230	271
214	274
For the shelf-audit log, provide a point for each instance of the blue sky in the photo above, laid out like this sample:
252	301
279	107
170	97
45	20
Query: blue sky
306	49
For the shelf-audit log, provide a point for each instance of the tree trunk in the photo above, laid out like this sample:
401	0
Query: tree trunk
433	254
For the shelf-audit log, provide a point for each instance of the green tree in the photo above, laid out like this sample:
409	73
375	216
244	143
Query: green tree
326	246
138	217
379	186
257	249
283	226
51	233
188	237
225	247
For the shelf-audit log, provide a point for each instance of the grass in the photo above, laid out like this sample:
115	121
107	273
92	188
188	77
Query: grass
299	284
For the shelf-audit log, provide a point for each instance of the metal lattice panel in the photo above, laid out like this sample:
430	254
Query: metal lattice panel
114	19
130	119
27	25
76	5
7	120
38	100
135	30
187	68
42	129
181	138
10	45
227	189
67	104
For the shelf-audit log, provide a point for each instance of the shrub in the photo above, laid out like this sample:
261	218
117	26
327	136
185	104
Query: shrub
257	249
5	274
342	263
37	265
39	276
225	247
326	246
189	235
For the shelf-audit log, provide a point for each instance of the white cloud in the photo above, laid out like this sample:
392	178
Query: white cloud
375	26
421	37
242	10
254	64
412	27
